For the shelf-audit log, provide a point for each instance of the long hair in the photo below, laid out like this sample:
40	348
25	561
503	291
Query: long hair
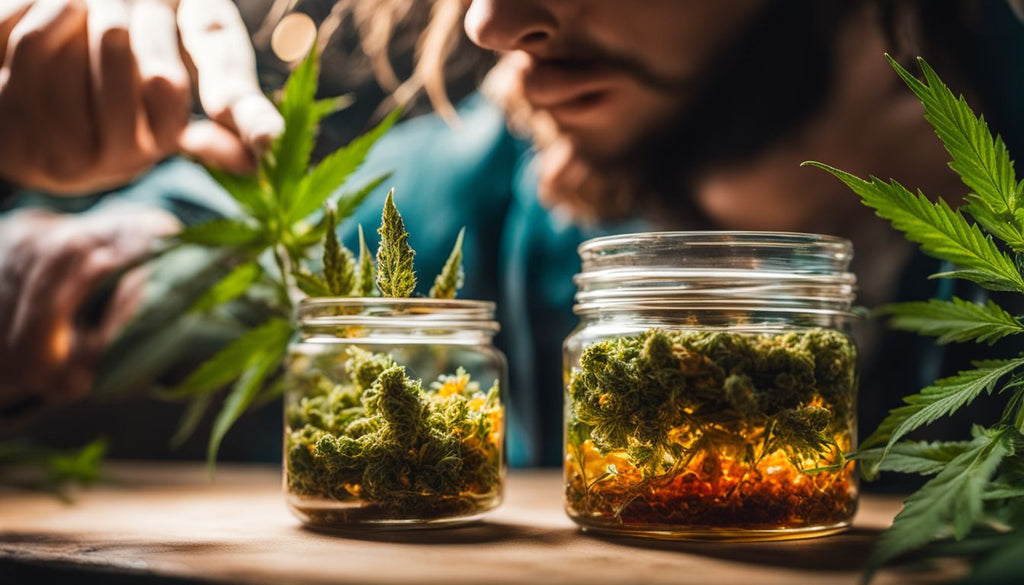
439	48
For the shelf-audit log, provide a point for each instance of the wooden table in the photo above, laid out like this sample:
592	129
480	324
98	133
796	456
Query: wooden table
167	523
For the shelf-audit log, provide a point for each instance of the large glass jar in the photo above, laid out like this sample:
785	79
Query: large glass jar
393	413
710	386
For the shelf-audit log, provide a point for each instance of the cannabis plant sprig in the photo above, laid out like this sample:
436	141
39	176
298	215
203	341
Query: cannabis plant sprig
395	274
268	244
452	276
975	489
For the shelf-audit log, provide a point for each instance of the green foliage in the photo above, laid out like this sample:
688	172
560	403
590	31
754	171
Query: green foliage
981	159
272	230
978	485
954	321
940	230
395	274
942	398
232	286
452	277
380	437
34	467
924	458
951	501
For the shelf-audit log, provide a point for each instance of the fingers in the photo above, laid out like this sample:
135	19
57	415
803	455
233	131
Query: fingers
11	12
216	39
217	147
115	79
43	28
166	93
65	106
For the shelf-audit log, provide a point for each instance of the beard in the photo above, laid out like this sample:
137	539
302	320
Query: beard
758	89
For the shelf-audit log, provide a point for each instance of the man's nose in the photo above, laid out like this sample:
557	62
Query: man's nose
510	25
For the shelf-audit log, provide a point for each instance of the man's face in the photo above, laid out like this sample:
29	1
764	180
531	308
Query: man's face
608	72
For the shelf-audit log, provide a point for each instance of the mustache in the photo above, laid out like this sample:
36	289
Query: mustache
584	54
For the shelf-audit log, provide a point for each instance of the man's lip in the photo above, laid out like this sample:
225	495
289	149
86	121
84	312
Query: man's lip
551	84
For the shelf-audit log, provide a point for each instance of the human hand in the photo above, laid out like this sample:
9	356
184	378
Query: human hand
50	267
94	92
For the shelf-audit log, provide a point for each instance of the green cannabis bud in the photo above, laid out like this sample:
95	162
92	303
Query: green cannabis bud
395	275
712	428
339	265
452	277
365	273
382	439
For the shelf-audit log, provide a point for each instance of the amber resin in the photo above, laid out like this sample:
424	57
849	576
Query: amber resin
711	495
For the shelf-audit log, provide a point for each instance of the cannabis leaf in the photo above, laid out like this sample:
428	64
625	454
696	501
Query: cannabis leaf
954	321
942	398
976	480
272	230
447	284
942	231
395	275
953	498
981	160
921	457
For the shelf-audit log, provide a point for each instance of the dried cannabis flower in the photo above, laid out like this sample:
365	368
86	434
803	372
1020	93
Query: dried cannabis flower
667	426
384	439
451	278
395	274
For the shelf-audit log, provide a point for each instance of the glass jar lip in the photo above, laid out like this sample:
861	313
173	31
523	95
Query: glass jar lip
716	270
397	313
730	237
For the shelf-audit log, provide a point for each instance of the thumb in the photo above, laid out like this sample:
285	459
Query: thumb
216	146
216	40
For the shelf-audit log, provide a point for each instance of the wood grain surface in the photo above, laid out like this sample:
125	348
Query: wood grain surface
168	523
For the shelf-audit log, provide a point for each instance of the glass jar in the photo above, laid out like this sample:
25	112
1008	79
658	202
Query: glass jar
393	413
711	385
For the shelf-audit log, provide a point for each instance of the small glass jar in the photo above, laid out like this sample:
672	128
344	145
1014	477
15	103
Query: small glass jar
394	415
710	386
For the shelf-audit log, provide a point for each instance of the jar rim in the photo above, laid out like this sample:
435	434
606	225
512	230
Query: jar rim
730	237
751	271
396	313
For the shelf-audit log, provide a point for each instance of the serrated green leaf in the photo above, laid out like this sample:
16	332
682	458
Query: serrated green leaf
245	189
229	288
228	363
995	491
981	159
920	457
333	170
246	388
221	232
395	275
350	201
949	502
290	152
312	285
448	283
365	283
941	231
943	397
954	321
268	345
190	419
339	264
